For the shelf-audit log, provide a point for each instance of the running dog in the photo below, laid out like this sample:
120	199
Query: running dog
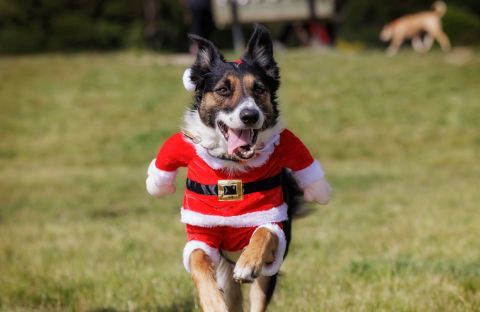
246	178
413	26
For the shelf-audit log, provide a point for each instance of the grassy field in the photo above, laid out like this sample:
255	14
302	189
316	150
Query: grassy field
399	138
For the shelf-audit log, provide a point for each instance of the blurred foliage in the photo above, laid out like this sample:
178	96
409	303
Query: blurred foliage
70	25
34	25
461	25
362	20
171	27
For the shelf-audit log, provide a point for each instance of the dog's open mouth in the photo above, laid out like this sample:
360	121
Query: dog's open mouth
240	142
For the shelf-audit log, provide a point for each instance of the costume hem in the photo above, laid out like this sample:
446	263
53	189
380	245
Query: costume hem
274	267
257	218
310	174
192	245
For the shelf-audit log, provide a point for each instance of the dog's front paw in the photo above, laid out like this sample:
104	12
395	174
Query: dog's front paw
247	268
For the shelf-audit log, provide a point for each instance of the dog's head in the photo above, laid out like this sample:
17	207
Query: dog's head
234	102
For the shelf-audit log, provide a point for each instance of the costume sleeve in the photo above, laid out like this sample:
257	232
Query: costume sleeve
297	157
174	153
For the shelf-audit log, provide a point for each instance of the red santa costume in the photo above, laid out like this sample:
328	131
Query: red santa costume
223	208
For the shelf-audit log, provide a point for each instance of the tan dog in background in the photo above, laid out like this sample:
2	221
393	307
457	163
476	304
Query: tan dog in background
412	27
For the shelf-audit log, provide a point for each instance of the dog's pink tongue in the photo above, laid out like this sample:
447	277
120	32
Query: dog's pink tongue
237	138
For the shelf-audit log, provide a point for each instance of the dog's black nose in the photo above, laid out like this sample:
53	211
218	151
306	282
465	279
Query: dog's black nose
249	116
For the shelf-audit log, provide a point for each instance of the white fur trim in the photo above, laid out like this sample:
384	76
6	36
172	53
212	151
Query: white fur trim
310	174
262	157
157	179
276	214
273	268
193	245
187	81
257	161
161	176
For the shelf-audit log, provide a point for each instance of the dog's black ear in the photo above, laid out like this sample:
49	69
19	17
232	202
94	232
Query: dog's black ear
207	56
260	51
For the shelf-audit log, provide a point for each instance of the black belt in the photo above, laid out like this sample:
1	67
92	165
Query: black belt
234	189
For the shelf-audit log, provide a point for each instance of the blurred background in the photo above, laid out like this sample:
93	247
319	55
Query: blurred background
162	25
90	89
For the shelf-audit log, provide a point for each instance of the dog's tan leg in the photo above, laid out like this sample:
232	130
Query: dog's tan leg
395	45
232	291
442	40
260	251
259	295
203	275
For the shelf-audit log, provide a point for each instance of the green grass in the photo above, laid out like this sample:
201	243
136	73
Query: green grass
399	138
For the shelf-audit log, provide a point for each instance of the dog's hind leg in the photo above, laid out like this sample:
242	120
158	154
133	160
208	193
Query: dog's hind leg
232	291
417	44
427	43
203	274
261	292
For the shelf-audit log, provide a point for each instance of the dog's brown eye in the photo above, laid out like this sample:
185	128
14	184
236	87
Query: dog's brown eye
258	91
222	91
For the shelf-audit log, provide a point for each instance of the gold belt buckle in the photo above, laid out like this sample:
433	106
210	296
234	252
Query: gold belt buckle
230	190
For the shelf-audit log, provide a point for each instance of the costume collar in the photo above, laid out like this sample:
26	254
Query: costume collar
267	141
